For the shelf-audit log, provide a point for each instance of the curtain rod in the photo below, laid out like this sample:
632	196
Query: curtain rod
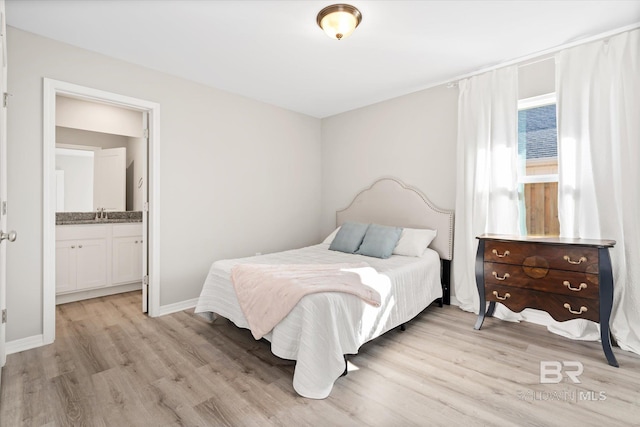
535	57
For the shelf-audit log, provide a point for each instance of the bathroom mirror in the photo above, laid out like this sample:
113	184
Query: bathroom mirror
91	178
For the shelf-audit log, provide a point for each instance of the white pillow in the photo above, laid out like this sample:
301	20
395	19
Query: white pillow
413	241
330	237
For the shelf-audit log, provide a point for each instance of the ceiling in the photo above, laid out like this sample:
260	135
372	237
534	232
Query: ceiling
273	51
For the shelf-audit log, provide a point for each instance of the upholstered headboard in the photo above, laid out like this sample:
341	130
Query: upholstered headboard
390	202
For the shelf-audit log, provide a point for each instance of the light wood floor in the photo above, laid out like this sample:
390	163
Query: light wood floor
112	366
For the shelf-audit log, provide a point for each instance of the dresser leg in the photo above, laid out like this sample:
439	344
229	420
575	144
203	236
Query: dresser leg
605	336
480	284
491	309
605	333
606	302
483	313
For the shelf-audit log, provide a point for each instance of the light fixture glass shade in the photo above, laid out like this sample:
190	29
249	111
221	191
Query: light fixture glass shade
339	20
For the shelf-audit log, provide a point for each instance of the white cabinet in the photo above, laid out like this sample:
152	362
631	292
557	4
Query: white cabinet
81	257
127	253
91	263
94	256
65	266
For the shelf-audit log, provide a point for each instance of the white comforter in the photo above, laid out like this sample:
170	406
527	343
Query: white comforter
323	327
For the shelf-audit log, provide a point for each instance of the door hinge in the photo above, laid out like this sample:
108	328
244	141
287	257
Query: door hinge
5	98
145	133
4	207
145	280
145	207
4	316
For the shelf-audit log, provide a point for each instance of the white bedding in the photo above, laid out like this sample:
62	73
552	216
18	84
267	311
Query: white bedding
323	327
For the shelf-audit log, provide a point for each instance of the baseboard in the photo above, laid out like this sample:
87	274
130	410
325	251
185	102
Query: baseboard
178	306
22	344
96	293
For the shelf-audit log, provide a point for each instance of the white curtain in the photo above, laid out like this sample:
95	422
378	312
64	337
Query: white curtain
598	87
487	191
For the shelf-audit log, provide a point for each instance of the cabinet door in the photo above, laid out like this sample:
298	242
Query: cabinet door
66	265
127	259
91	263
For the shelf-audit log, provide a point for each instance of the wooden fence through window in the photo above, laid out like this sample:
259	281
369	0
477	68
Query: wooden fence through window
541	201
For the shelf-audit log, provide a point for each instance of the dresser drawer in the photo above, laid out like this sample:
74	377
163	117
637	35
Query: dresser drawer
575	284
560	307
570	258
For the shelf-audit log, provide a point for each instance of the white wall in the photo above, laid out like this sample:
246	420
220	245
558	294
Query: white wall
537	78
71	136
237	176
93	116
412	137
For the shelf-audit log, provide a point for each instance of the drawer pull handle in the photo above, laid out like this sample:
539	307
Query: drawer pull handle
495	252
507	295
568	307
579	288
580	261
505	277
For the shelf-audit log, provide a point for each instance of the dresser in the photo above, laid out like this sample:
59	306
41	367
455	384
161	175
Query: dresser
567	278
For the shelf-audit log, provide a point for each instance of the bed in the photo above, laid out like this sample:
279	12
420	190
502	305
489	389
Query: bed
322	328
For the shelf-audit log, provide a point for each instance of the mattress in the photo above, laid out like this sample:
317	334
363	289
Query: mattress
323	327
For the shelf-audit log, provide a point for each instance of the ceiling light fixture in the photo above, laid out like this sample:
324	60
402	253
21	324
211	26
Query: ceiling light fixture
339	20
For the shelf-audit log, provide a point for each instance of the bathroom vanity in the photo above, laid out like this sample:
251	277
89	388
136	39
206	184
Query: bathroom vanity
97	256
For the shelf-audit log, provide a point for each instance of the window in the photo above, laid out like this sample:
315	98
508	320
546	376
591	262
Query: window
538	165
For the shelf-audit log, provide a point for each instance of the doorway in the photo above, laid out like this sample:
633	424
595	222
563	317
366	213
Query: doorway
150	212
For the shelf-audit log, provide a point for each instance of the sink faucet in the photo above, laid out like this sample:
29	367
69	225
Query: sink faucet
101	214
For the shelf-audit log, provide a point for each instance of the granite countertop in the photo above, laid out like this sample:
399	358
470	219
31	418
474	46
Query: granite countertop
71	218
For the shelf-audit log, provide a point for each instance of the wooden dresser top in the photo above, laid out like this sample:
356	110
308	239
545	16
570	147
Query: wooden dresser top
549	240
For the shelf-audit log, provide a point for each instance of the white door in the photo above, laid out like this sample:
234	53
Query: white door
144	190
4	237
110	179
